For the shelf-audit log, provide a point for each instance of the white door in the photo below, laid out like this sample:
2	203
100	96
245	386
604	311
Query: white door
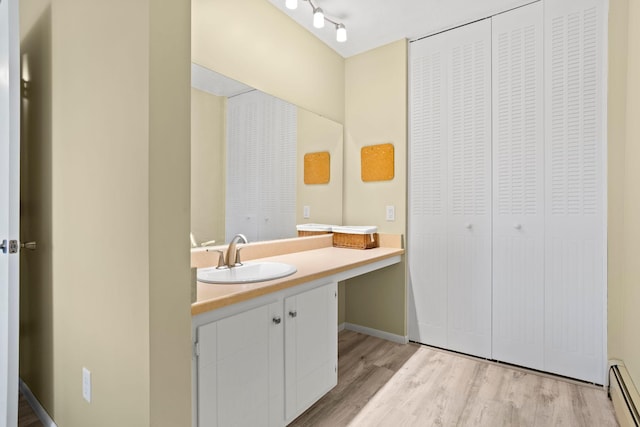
261	167
518	187
427	242
575	143
9	209
469	190
450	190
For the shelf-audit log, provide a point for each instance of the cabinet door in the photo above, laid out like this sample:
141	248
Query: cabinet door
450	190
574	195
240	371
311	347
518	185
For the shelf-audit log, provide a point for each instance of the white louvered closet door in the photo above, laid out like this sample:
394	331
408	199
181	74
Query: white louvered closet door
450	190
277	165
261	167
469	189
518	187
427	244
241	200
574	193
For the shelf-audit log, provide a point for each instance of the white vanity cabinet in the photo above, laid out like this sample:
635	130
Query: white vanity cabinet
240	369
311	347
244	355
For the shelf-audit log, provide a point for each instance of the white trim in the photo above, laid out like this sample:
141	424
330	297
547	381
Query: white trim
458	25
400	339
214	83
9	208
605	185
341	327
36	406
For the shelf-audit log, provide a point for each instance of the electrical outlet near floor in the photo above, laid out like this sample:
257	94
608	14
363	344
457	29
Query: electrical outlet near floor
86	384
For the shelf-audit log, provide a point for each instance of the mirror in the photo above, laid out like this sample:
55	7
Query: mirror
244	176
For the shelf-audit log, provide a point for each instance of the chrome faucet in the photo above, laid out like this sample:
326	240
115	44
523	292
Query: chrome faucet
233	254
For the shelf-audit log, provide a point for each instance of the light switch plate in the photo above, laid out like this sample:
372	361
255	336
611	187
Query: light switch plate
306	212
391	213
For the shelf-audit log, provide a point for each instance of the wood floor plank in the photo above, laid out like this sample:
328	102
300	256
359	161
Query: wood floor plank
26	416
387	384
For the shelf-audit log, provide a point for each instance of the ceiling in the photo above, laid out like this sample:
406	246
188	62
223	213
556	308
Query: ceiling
374	23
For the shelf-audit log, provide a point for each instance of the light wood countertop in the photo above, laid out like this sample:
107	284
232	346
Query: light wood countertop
312	264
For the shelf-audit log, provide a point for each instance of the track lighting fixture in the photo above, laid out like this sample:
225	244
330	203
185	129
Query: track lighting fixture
291	4
341	33
319	18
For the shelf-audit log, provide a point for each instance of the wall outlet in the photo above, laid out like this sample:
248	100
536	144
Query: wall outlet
391	213
86	384
306	212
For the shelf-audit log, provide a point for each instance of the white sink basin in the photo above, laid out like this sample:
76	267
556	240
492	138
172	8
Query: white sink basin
249	272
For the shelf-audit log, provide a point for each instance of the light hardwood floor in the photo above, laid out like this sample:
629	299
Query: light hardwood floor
386	384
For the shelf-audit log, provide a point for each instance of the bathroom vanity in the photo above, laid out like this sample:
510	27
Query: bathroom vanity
265	352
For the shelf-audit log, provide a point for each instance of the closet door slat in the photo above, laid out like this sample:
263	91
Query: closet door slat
518	185
427	247
469	189
574	221
450	187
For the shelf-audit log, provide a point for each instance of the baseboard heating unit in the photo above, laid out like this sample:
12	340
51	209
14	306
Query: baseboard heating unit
624	396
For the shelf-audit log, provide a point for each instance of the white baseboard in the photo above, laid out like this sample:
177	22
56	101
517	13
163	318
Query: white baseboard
341	327
45	419
377	333
624	395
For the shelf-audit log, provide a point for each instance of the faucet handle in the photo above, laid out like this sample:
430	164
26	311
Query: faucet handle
238	261
221	263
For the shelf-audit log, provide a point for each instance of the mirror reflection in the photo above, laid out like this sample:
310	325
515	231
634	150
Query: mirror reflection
247	163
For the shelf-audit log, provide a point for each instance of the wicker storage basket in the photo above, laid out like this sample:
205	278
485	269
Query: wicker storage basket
313	229
354	237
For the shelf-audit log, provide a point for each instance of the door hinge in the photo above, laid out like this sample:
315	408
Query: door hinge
335	368
196	349
11	246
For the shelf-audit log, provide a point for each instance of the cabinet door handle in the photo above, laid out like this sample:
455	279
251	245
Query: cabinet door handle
277	320
293	313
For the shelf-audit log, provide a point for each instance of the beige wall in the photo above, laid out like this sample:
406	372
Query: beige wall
616	137
375	113
316	133
255	43
631	280
208	166
624	176
110	212
36	284
168	184
342	309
